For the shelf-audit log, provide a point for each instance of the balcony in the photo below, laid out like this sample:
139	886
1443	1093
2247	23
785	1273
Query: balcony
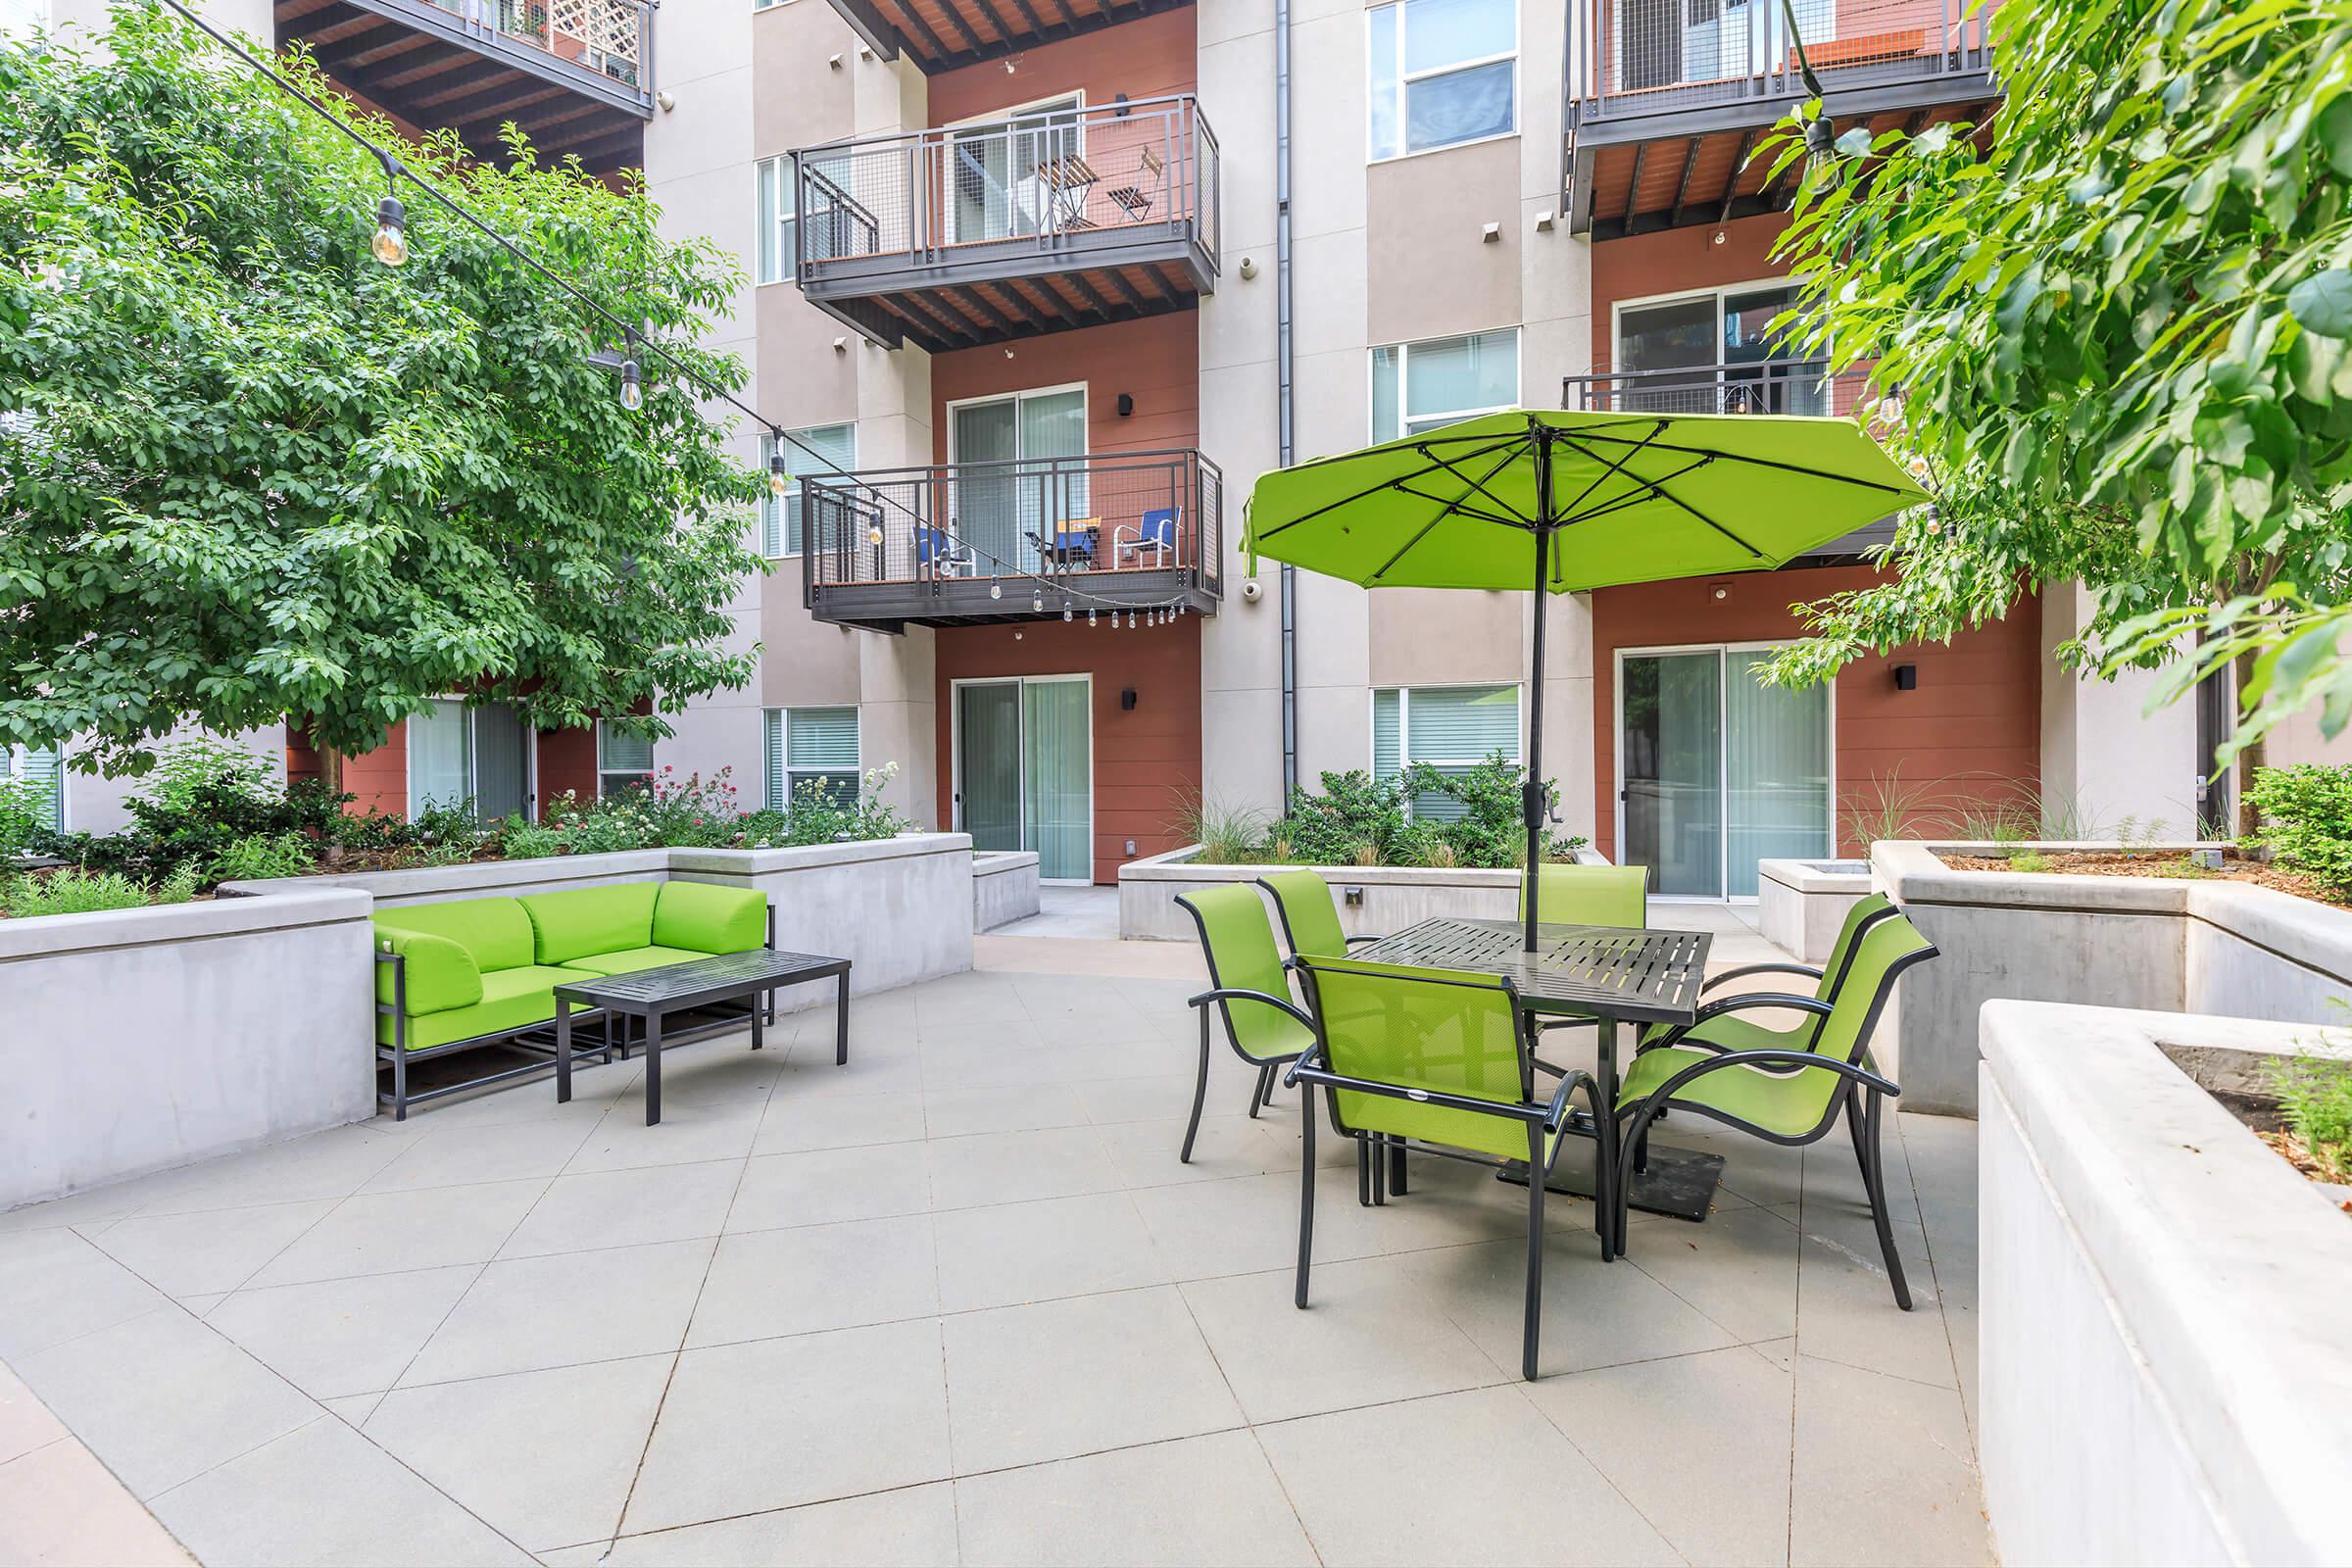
576	75
943	35
1667	98
971	543
983	234
1759	386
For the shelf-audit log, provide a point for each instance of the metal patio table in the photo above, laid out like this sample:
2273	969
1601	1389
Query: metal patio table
1608	973
651	994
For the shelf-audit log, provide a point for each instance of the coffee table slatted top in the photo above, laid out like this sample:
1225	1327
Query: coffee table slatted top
682	985
1640	976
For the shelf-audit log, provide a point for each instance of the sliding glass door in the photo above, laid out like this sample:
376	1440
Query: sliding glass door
1717	772
480	754
1024	770
1002	511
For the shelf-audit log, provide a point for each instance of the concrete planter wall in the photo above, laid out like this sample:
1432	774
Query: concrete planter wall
1801	904
1004	888
2164	1372
1393	897
135	1040
2166	944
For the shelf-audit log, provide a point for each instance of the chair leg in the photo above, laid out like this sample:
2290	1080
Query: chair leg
1199	1090
1874	1177
1853	1129
1364	1172
1396	1167
1306	1189
1258	1095
1535	1253
1380	1170
1641	1151
1273	1077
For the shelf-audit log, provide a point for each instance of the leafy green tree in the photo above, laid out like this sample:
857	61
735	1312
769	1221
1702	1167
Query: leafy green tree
2119	320
247	472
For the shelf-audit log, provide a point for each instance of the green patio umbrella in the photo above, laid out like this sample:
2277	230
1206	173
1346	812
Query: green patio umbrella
1569	502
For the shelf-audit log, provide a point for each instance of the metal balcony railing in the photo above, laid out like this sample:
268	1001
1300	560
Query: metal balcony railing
971	540
1640	57
1142	171
612	38
1764	386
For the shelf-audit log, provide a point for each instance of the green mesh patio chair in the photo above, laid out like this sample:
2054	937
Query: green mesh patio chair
1587	895
1251	987
1732	1033
1311	915
1784	1094
1435	1061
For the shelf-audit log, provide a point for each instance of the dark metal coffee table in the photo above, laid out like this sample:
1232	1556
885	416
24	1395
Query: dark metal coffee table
649	994
1609	974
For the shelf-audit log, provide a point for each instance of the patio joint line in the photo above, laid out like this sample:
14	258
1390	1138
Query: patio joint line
1607	1479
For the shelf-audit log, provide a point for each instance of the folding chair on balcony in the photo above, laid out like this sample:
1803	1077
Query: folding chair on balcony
1154	534
1435	1060
940	555
1785	1094
1251	991
1135	200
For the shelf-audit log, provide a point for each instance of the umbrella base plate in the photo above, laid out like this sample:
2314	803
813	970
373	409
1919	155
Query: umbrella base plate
1679	1183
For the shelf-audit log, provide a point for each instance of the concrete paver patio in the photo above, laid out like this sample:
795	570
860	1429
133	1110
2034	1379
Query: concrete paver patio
958	1301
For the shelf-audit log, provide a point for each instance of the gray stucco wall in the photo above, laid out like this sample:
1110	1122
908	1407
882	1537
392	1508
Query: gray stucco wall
137	1040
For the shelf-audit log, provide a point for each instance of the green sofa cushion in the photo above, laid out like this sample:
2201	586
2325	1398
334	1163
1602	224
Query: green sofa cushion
510	998
494	932
709	920
439	973
586	921
631	960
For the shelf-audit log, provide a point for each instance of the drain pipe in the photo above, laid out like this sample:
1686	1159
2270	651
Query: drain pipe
1285	423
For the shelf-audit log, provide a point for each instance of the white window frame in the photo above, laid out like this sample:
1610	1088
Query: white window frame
602	771
474	714
1051	103
1723	652
1405	724
776	511
13	759
1716	291
775	180
779	789
1405	79
1406	419
1086	416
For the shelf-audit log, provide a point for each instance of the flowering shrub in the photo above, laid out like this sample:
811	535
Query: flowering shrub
696	813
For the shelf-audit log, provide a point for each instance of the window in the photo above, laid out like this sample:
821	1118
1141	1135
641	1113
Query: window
1717	351
806	744
624	762
1420	386
1452	728
40	771
1443	72
479	755
776	199
780	518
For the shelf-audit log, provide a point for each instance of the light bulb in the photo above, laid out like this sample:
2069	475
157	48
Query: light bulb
1037	603
632	386
996	589
391	242
873	535
1089	615
778	480
1067	612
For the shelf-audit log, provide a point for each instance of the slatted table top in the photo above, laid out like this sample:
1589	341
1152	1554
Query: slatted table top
1644	976
686	985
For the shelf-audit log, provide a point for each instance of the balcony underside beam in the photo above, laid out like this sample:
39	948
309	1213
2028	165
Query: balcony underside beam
967	31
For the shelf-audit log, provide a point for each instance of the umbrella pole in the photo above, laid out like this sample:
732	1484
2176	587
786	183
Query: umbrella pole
1534	717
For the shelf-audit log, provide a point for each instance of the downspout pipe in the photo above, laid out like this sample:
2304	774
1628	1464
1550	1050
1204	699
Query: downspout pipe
1285	417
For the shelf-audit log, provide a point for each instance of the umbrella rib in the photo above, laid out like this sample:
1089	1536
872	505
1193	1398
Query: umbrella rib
1396	483
1458	510
1616	468
1449	508
1654	444
1657	487
1479	484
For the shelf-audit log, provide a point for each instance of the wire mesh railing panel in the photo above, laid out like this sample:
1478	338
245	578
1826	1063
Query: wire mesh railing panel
1656	53
1768	386
608	36
1025	527
1036	177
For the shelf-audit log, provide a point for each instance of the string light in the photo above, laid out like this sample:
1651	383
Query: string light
1089	615
632	381
1066	609
1037	603
779	478
996	589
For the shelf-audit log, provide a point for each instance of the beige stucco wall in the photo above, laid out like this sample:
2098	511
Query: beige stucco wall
2100	747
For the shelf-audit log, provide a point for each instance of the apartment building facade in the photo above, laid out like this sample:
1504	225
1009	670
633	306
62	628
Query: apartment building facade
1036	288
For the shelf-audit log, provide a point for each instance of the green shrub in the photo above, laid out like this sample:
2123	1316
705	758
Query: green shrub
521	839
2030	860
1355	808
1470	817
2306	815
263	855
24	816
598	827
70	891
1228	835
2315	1096
444	822
820	816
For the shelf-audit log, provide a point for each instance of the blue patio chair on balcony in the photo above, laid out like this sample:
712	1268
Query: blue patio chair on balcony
937	553
1154	535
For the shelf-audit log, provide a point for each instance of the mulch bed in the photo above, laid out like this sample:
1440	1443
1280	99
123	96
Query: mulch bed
2235	867
2297	1153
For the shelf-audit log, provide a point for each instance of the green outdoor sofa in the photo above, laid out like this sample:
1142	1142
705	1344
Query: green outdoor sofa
483	971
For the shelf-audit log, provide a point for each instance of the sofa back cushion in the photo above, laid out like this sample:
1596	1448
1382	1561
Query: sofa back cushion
709	920
580	921
494	932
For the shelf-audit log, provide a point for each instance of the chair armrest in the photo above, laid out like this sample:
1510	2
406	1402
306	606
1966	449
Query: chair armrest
1746	969
430	974
1745	1000
1773	1057
1281	1004
1352	941
1556	1116
1301	1072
